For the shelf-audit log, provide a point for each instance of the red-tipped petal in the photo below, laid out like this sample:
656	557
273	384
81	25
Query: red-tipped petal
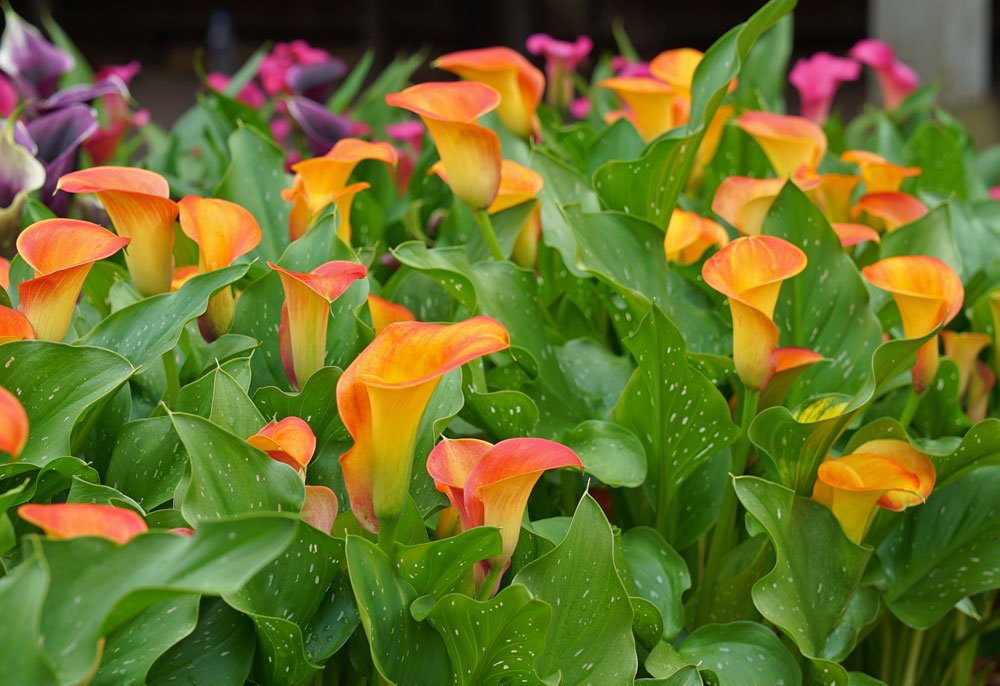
290	441
72	520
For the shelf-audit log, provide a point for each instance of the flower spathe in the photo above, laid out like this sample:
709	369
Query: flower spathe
928	294
73	520
834	194
489	484
289	441
519	83
744	202
470	152
305	314
794	145
879	174
13	424
384	313
980	386
851	234
382	396
14	326
789	364
817	79
963	347
886	472
689	236
61	252
139	205
320	507
896	79
653	107
889	211
561	61
749	272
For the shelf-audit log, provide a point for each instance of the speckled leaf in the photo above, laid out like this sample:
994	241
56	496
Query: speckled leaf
658	574
22	593
504	414
609	452
934	149
933	234
229	476
148	461
57	384
444	566
813	593
493	642
217	396
590	637
596	375
312	404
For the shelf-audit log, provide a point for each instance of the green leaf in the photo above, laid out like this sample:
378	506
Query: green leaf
492	642
609	452
339	101
590	636
504	414
229	476
938	153
148	461
762	79
943	551
246	73
58	384
933	234
813	592
312	403
217	396
440	567
658	574
22	594
144	331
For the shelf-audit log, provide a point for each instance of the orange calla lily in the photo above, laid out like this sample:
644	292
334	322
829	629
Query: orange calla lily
139	205
889	211
834	195
653	107
320	508
854	234
980	385
13	424
489	484
72	520
963	348
689	235
322	180
928	293
744	202
182	275
305	315
749	272
886	472
519	83
61	251
709	144
4	273
223	231
789	363
289	441
794	145
470	152
384	313
14	326
879	174
382	396
676	67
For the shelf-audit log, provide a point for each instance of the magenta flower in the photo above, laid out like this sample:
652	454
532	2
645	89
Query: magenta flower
409	133
896	79
8	96
817	79
625	68
119	118
561	60
580	108
250	95
276	67
995	193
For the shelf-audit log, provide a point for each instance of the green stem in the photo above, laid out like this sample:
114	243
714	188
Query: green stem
387	536
725	531
486	590
910	409
913	659
173	381
489	235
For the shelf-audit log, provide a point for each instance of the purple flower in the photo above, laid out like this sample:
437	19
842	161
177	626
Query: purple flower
58	136
322	128
561	60
316	80
896	79
32	62
20	174
817	79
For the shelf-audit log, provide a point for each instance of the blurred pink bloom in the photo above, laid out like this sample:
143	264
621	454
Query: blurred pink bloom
281	128
409	132
118	116
360	129
896	79
995	193
561	60
625	68
8	96
817	79
580	108
250	95
274	68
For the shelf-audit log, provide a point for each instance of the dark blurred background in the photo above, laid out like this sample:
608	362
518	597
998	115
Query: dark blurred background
167	36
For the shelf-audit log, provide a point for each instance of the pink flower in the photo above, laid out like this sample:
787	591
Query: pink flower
118	116
896	79
627	69
817	80
580	108
275	67
250	95
995	193
8	96
561	60
409	132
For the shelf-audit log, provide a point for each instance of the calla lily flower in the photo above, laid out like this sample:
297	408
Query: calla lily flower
749	272
59	135
817	79
61	251
789	364
980	385
14	326
835	196
320	508
689	235
676	67
411	135
275	68
20	175
885	472
13	424
250	95
321	127
561	61
896	79
709	144
653	107
4	273
794	145
139	205
382	396
470	152
289	441
489	484
384	313
321	180
889	211
928	293
223	231
854	234
879	174
73	520
34	63
305	315
744	202
519	83
963	348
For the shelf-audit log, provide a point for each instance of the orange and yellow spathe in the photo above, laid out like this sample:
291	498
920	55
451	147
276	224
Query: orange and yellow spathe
749	272
72	520
879	174
963	348
13	424
470	152
139	205
744	202
851	234
928	294
384	313
519	83
289	441
889	211
689	236
653	107
14	326
794	145
61	251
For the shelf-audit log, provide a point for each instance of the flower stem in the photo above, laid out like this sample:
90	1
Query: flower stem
910	409
912	659
387	536
486	590
489	235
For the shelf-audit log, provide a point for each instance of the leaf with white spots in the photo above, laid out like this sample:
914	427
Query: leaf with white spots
658	574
